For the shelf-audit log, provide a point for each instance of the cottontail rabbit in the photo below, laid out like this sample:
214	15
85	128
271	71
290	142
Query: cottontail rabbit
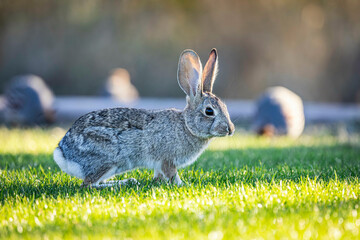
279	111
107	142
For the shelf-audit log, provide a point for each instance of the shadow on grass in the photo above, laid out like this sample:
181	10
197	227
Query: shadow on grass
33	176
23	161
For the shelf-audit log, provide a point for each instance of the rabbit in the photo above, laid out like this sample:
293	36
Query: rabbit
28	101
104	143
279	111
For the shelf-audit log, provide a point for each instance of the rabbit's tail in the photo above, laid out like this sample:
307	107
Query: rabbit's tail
69	167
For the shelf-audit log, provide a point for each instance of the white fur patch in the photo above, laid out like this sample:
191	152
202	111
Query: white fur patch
69	167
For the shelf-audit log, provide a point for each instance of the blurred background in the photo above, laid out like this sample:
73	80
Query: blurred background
310	47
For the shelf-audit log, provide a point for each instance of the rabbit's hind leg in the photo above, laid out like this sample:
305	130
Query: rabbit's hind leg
101	183
94	177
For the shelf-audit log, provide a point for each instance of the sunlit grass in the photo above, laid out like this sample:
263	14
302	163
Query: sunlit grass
252	141
241	187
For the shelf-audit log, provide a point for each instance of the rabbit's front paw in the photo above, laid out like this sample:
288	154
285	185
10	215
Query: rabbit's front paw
178	181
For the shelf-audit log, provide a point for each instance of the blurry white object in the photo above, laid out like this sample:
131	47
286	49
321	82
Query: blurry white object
279	111
119	87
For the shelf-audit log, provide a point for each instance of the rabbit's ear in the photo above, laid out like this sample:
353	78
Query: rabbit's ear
210	71
189	73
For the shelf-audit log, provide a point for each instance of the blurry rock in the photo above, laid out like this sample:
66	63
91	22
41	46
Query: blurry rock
119	87
279	111
27	101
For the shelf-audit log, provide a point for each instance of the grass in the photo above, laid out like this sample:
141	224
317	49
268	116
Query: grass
241	187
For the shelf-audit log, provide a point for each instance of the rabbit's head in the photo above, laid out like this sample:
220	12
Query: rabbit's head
206	115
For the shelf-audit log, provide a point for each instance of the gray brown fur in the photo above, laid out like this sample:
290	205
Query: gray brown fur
112	141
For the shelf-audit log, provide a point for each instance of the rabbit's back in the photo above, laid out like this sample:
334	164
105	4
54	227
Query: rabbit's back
104	135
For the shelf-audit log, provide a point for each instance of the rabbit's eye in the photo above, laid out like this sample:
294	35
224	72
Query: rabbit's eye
209	111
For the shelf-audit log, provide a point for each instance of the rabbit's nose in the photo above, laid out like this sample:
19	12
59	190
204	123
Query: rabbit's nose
231	129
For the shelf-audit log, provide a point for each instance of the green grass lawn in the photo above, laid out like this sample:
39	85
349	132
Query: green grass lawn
242	187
